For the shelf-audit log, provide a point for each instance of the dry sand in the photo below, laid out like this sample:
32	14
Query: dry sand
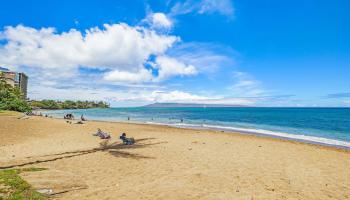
169	163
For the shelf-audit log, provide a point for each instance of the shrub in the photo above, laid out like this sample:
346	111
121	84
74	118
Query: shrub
11	98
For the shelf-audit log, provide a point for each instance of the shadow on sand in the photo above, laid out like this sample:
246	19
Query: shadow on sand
112	148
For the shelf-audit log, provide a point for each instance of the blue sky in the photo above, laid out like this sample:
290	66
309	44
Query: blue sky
129	53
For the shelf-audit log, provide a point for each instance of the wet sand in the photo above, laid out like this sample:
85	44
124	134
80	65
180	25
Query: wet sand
169	163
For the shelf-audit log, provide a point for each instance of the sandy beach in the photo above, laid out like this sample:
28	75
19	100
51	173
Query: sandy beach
169	163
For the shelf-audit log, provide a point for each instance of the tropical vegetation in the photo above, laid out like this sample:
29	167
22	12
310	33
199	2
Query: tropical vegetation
11	98
68	104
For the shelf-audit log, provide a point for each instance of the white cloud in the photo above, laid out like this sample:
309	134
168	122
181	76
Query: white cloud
118	48
207	57
161	96
175	96
223	7
184	97
246	86
167	67
134	97
170	66
129	77
115	46
159	21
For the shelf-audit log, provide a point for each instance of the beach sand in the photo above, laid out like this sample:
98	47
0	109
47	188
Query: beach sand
169	163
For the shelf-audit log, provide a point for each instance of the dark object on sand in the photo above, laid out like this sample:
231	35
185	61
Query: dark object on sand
69	116
82	118
102	134
127	141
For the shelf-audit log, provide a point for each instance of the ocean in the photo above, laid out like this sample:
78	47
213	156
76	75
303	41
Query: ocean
327	126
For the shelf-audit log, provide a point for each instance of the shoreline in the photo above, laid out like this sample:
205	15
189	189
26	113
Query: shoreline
326	142
273	134
240	133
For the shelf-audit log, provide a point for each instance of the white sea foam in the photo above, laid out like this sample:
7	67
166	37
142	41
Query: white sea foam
305	138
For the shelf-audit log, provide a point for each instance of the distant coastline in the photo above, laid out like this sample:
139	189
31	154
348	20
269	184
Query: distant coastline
68	104
190	105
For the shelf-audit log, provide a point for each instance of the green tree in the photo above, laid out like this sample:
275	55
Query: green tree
11	98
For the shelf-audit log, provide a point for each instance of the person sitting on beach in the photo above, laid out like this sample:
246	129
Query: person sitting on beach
123	136
126	141
69	116
82	118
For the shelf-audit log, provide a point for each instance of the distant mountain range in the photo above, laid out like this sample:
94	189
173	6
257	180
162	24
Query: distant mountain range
189	105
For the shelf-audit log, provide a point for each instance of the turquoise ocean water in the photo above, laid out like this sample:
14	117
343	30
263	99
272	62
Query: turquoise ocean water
329	126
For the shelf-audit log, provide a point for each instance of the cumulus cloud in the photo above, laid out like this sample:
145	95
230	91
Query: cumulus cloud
223	7
115	46
129	77
159	21
120	49
169	67
166	67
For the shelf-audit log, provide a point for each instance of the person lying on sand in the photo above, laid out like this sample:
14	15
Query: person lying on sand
126	141
102	134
